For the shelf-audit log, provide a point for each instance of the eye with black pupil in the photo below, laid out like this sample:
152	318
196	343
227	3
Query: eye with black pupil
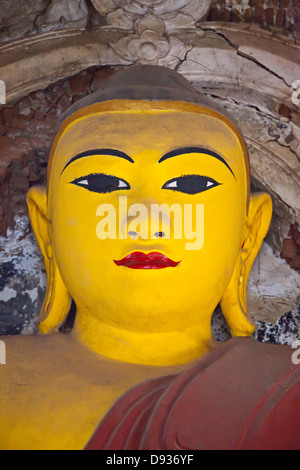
191	184
101	183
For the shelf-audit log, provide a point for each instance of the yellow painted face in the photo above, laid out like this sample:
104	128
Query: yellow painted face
147	154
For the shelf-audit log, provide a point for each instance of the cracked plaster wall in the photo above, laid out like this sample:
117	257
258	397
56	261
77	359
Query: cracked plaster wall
20	18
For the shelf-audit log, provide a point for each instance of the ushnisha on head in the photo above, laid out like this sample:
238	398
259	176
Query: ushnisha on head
125	164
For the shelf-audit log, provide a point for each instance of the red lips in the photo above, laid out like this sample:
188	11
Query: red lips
139	260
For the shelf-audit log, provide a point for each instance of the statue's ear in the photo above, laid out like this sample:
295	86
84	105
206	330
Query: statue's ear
57	300
234	301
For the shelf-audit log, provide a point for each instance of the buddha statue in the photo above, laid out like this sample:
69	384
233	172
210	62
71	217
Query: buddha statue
147	223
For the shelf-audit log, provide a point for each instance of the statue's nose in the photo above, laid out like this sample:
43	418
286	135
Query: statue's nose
134	235
146	222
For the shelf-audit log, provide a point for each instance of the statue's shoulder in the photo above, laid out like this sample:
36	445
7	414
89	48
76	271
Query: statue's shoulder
31	350
52	393
242	395
248	351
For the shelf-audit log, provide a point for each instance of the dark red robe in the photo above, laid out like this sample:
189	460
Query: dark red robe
243	395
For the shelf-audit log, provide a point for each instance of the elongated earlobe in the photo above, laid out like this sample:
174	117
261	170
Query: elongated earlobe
57	300
234	301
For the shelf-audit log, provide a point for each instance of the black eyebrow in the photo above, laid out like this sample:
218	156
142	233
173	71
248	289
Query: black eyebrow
90	153
184	150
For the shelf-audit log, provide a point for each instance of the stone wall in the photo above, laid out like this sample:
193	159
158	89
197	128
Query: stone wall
280	13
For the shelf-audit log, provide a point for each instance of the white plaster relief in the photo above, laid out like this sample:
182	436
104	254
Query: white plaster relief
149	45
175	13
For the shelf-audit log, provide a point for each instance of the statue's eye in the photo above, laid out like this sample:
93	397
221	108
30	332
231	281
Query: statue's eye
191	184
101	183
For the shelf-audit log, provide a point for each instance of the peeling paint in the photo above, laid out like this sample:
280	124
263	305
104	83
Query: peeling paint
23	280
8	294
273	287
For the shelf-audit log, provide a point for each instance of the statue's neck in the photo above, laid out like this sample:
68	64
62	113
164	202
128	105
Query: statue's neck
158	349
